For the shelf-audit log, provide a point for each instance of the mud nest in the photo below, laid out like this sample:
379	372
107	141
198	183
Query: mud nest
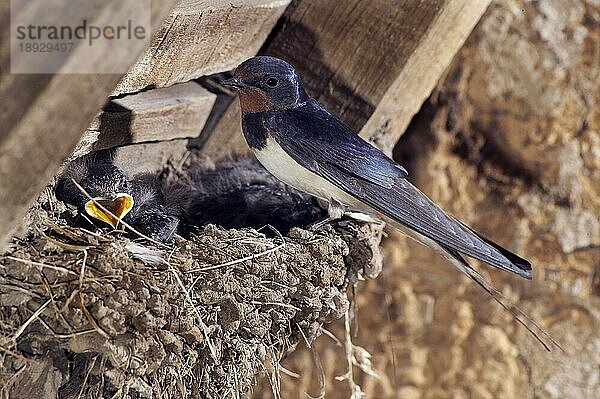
94	314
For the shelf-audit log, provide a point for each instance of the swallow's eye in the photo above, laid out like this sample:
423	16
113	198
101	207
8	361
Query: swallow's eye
272	82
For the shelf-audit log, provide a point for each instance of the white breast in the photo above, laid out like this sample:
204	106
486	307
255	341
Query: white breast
286	169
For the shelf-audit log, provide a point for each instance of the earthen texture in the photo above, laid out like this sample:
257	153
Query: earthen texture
509	143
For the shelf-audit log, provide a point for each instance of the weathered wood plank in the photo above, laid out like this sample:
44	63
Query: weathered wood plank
42	116
422	70
226	137
202	37
174	112
150	157
372	63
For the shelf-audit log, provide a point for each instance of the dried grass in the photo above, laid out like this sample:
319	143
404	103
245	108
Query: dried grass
66	283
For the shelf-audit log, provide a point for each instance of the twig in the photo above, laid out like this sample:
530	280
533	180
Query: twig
88	315
100	236
203	326
33	263
308	345
320	372
87	375
274	375
236	387
20	289
30	320
13	378
55	305
59	229
240	260
70	247
66	336
283	305
332	336
355	391
280	285
17	355
289	373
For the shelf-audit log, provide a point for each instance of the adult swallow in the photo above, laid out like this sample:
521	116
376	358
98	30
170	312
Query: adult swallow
307	147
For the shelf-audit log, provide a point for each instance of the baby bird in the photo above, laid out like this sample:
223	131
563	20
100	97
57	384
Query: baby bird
138	201
237	193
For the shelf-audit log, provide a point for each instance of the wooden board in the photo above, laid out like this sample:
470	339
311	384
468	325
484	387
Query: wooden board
202	37
422	70
175	112
150	157
43	116
372	63
226	136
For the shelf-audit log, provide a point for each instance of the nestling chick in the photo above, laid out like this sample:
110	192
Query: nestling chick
238	193
138	201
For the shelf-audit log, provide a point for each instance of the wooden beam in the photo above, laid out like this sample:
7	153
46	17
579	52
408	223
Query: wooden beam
372	63
174	112
200	38
43	115
422	70
226	136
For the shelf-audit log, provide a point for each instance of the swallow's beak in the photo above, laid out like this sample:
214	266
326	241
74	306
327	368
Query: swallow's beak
119	206
234	83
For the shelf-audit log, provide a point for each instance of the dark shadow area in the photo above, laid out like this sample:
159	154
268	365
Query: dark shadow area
470	143
235	193
224	100
115	126
417	140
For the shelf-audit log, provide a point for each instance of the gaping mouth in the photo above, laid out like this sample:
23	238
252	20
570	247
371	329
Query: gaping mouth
119	207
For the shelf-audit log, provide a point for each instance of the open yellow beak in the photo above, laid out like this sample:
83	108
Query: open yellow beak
120	206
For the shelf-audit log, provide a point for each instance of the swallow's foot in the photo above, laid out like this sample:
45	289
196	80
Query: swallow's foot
335	210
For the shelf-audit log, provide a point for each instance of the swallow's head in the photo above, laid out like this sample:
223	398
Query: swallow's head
105	180
110	189
267	83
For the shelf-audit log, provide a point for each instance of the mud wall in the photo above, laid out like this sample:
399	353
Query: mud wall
509	143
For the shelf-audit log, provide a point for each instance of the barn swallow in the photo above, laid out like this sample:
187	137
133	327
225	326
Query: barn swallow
105	183
305	146
136	201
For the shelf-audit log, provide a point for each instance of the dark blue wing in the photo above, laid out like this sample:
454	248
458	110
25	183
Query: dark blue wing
318	137
407	205
318	141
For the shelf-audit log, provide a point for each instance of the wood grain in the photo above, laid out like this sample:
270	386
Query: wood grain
200	38
226	137
150	157
422	70
175	112
43	116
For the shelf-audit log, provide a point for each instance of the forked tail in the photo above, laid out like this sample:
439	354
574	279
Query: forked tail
543	337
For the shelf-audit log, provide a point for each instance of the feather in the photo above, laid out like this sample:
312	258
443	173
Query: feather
316	140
